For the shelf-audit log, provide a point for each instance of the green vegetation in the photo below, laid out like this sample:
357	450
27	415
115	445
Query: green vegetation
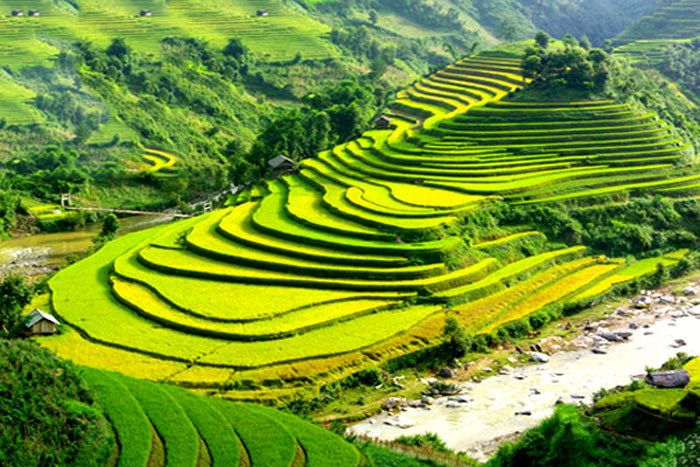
49	415
365	252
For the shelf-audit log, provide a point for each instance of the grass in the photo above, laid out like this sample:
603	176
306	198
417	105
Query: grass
322	448
147	303
220	438
637	269
267	442
124	412
179	436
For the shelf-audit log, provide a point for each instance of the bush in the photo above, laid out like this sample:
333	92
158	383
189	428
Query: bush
47	414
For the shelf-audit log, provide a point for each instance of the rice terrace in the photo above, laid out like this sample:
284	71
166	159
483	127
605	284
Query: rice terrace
356	225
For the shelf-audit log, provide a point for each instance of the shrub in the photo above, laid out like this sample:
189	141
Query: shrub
47	414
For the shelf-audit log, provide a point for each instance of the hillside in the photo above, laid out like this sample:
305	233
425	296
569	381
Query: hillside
83	416
645	41
488	211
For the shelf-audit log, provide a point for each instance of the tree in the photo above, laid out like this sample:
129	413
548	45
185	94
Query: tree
585	43
235	49
542	39
570	41
15	294
373	17
508	31
110	227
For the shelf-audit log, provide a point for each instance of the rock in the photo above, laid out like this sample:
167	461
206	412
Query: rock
505	370
609	336
371	421
623	312
446	373
487	369
668	379
689	291
667	299
642	302
394	402
426	400
415	404
623	334
539	357
512	360
648	333
559	401
577	396
535	391
599	351
525	413
453	405
695	311
460	399
633	326
400	422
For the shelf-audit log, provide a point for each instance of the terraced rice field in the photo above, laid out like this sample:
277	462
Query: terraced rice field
645	41
352	261
32	41
159	162
164	425
278	36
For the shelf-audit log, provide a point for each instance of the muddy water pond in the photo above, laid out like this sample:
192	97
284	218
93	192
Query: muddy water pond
494	408
44	253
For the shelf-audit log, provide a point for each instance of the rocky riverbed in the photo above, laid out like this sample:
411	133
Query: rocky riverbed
477	417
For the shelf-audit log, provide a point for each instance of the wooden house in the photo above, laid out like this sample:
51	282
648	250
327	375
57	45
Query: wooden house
145	13
33	13
263	13
39	323
282	164
17	13
382	122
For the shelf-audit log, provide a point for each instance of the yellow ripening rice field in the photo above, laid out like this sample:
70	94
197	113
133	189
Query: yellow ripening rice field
357	258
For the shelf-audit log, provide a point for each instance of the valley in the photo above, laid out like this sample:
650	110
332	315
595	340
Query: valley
407	233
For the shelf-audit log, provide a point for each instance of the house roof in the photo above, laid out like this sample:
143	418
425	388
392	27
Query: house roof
37	315
280	161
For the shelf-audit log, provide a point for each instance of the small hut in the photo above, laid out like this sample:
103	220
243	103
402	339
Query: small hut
282	164
668	379
17	13
39	323
145	13
263	13
33	13
382	122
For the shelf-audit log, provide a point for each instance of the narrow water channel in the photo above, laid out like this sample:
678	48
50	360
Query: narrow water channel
43	253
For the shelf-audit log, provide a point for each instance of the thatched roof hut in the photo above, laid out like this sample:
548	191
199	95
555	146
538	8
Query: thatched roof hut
39	323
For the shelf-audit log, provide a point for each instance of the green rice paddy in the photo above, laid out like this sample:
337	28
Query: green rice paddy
353	260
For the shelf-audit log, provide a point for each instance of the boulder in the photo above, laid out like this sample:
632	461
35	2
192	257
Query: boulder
689	291
400	422
610	336
446	373
623	334
668	379
394	402
426	400
599	351
539	357
633	326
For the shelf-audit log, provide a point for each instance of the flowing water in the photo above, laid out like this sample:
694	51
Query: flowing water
46	252
572	376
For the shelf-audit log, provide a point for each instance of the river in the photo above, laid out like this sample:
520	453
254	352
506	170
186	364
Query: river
572	376
41	254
